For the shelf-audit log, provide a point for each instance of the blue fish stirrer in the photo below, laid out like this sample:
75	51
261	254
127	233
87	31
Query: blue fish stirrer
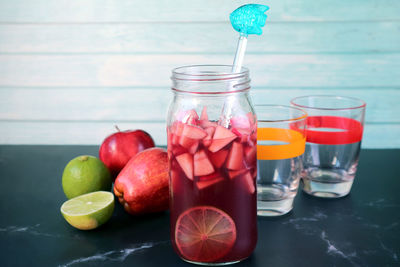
247	19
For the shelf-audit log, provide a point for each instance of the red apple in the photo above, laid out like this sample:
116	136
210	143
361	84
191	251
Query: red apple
117	149
142	185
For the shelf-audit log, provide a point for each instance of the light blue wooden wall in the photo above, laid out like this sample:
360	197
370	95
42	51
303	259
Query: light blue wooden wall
70	70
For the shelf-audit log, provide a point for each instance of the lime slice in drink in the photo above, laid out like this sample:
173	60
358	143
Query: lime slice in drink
89	211
204	234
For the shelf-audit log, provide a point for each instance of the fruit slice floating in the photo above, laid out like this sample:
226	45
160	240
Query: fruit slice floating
177	150
250	152
253	137
235	158
207	123
221	138
191	117
176	131
169	138
202	165
190	135
193	132
208	139
243	133
204	234
177	128
219	158
241	122
233	174
254	173
248	182
193	148
205	183
88	211
186	163
204	115
175	139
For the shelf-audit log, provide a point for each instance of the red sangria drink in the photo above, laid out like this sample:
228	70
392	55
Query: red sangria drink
212	156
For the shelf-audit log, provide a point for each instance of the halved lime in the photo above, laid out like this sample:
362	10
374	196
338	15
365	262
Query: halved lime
89	211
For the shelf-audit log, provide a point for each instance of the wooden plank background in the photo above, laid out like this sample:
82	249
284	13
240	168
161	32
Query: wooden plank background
71	70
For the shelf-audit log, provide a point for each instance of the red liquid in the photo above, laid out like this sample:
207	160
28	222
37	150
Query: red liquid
224	179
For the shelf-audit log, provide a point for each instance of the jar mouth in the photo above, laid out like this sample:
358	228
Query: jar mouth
211	92
209	76
207	72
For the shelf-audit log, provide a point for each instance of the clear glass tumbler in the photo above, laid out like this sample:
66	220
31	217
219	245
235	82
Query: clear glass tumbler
280	145
334	133
212	150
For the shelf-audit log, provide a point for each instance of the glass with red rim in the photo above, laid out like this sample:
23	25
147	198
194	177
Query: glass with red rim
280	144
334	132
212	137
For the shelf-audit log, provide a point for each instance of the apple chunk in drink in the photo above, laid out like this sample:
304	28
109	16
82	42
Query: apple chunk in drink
212	187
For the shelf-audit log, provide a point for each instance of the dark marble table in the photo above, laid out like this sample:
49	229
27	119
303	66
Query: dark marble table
362	229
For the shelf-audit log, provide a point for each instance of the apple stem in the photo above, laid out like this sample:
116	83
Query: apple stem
116	127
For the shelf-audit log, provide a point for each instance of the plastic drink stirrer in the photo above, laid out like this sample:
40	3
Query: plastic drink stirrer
247	19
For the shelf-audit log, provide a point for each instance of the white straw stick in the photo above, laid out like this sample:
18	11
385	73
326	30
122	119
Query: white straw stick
240	50
237	66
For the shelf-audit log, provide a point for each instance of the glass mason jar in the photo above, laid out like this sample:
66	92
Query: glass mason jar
212	144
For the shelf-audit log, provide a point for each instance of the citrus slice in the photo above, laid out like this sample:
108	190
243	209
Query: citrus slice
89	211
204	234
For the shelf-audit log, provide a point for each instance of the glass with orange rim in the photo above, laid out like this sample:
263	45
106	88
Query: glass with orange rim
280	145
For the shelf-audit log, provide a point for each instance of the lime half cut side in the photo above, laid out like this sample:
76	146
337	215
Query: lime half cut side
89	211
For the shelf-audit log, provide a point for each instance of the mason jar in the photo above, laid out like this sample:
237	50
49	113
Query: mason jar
212	146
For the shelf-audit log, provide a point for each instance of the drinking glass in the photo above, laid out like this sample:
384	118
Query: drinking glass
212	149
280	145
334	133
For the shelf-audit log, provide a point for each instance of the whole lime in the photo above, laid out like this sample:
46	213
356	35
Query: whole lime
85	174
